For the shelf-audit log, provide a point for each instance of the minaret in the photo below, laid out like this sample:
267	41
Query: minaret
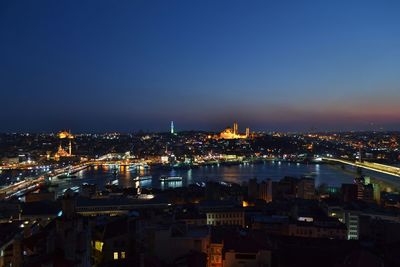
70	147
70	143
235	128
247	132
172	127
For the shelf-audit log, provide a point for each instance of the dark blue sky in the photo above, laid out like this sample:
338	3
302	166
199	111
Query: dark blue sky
130	65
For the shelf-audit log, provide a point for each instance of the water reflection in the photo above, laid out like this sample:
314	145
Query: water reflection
189	179
145	183
330	175
171	184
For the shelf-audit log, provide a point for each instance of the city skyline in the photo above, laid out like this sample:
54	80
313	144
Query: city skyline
200	133
273	66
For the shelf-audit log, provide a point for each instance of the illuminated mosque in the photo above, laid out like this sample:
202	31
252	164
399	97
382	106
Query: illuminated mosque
233	133
61	152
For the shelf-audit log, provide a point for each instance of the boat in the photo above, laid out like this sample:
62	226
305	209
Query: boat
112	183
142	178
66	176
74	189
170	178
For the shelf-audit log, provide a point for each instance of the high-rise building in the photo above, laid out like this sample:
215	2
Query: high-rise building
368	195
360	182
212	191
172	127
306	188
247	132
265	190
349	192
352	224
377	193
285	188
253	189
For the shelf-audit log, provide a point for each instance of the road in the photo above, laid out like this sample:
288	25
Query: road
33	183
381	168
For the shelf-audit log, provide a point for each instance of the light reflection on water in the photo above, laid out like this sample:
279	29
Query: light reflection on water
171	184
236	174
327	174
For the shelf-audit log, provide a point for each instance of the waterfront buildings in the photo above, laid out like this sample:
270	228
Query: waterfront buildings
203	223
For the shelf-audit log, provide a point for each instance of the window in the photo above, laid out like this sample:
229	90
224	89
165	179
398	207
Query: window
123	255
217	259
98	245
115	255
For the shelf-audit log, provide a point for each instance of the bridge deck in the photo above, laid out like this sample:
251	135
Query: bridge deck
381	168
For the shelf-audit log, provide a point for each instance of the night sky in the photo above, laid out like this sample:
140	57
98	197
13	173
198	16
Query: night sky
94	66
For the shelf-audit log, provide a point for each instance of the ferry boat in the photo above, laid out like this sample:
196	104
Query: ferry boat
170	178
142	178
67	174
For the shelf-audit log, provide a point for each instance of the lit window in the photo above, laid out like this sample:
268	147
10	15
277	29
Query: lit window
123	255
115	255
98	245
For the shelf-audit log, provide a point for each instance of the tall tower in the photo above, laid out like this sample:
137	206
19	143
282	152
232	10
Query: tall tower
247	132
235	128
70	137
70	147
172	127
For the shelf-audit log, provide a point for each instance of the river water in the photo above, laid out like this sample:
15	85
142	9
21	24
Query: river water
322	173
332	175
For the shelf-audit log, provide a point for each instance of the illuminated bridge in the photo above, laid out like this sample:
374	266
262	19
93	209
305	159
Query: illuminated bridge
381	168
137	165
33	183
22	187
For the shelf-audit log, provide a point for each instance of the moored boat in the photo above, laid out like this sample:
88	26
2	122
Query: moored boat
170	178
